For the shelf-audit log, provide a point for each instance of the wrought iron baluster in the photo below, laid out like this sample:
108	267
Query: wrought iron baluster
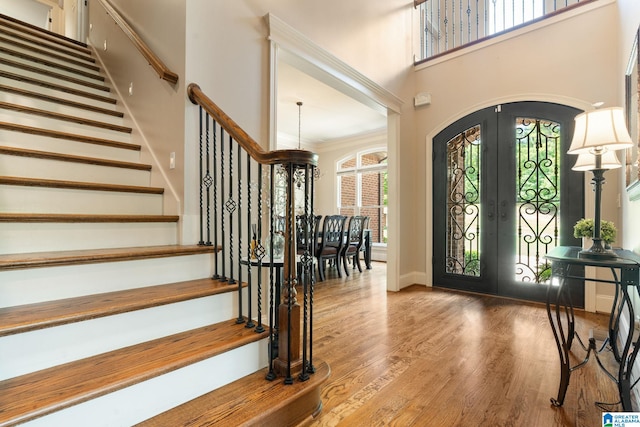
273	301
201	175
223	277
230	205
259	250
240	318
289	282
215	196
250	245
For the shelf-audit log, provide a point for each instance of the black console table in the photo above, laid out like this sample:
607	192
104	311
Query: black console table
625	270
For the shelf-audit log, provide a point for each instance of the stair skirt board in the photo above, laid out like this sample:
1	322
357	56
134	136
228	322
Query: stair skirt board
45	348
19	287
32	167
134	404
22	199
23	237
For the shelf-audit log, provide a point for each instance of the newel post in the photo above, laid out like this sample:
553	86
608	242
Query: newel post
288	361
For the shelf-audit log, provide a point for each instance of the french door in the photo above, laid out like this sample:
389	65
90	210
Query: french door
504	195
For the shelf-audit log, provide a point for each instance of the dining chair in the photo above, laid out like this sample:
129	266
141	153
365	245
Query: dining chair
331	242
354	241
306	241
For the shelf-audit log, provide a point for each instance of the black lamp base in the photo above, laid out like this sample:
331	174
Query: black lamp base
597	251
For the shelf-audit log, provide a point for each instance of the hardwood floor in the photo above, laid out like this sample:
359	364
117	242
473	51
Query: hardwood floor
432	357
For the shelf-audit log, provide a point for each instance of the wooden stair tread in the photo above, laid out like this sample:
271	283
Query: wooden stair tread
39	393
35	49
63	55
35	31
248	401
89	256
94	75
54	86
61	101
64	117
70	136
84	55
52	74
78	185
84	218
23	152
29	317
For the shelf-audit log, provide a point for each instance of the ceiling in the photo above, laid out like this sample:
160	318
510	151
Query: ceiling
326	114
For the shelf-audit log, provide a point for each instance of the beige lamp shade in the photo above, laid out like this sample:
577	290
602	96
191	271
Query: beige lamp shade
587	161
600	131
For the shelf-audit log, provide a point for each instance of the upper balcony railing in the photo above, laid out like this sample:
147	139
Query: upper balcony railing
447	25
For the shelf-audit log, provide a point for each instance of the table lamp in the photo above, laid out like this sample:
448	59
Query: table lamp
597	136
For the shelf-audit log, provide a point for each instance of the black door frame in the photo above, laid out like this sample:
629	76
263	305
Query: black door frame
496	123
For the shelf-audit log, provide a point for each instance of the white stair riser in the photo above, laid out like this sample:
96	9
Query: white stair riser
48	123
19	199
64	146
60	94
19	287
45	348
65	60
19	166
134	404
57	81
40	104
25	237
53	69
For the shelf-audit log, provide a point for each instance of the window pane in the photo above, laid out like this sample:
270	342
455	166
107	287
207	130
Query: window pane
377	223
369	159
372	188
347	211
463	202
347	164
347	190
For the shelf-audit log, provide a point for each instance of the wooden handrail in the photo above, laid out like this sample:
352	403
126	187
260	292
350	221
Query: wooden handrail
300	157
161	69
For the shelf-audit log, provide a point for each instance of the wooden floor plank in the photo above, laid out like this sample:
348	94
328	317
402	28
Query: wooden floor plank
431	357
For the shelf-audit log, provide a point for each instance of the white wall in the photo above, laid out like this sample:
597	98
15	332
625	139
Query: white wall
156	106
31	11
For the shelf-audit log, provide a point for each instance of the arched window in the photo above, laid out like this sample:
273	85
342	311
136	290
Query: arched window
362	189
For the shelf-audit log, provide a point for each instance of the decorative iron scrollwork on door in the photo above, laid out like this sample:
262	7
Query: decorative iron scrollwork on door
538	197
463	203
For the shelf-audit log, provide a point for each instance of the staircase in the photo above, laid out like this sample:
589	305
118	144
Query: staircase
104	318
